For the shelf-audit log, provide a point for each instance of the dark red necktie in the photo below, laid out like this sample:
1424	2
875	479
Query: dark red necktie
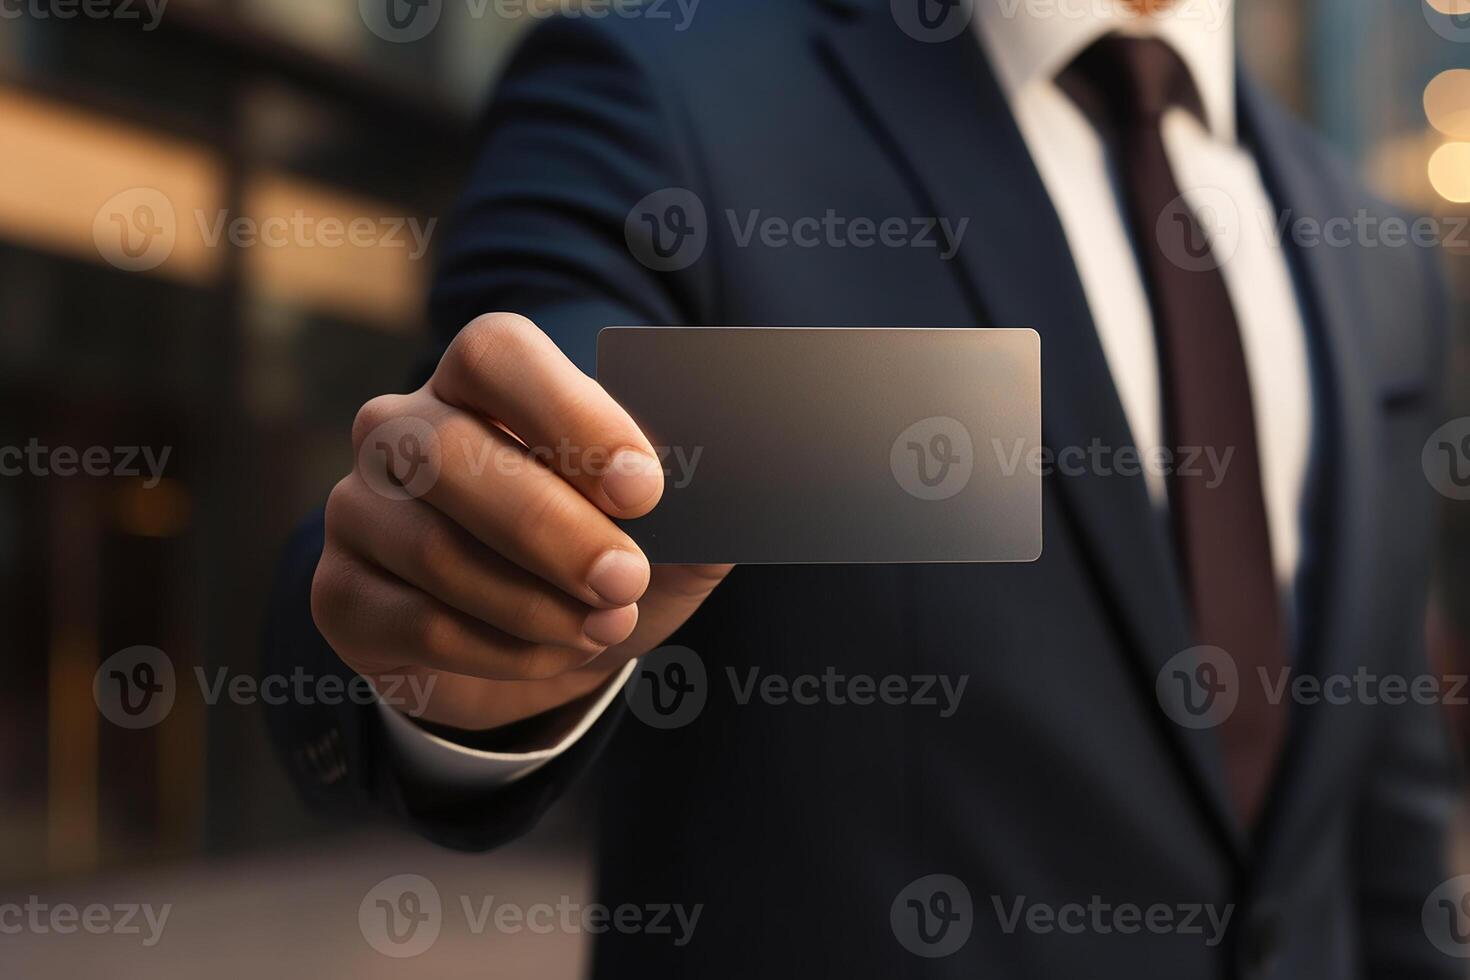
1126	84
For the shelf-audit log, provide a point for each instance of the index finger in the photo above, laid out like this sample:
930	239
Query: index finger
503	367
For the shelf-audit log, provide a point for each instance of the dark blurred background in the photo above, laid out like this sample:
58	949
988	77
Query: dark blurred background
245	361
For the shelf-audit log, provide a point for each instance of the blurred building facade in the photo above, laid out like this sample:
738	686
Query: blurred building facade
243	363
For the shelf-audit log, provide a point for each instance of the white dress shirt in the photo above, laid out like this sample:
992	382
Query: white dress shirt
1220	180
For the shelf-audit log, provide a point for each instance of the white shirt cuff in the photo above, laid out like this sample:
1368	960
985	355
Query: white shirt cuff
447	763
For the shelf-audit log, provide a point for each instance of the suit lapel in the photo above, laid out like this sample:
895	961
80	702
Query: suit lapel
943	116
1344	512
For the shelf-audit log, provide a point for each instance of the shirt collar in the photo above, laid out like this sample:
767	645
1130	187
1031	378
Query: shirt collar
1031	41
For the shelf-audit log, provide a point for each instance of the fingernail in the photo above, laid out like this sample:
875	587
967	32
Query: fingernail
609	626
632	478
619	577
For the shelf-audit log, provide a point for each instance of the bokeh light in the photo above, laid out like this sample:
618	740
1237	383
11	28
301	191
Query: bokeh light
1449	172
1447	102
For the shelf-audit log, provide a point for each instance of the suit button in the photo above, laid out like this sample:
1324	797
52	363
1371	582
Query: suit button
323	758
1261	946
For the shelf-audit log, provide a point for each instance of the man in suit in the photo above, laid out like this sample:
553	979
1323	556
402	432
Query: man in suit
1083	805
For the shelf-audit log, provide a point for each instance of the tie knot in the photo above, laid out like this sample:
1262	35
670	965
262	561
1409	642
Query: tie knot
1130	81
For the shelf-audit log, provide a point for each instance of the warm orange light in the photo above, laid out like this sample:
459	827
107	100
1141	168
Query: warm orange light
1449	172
1447	102
1148	8
160	511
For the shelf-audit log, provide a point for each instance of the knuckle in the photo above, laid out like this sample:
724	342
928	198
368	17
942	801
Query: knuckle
587	414
531	609
331	593
338	503
374	413
544	662
349	509
431	557
436	636
492	338
551	506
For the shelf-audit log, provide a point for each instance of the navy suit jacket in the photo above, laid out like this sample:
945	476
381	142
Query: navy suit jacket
1059	778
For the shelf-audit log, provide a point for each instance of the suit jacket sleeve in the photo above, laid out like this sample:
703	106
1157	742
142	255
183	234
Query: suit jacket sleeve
579	132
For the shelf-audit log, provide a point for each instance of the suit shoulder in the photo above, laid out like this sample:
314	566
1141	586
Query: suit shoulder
1418	265
1306	144
687	41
